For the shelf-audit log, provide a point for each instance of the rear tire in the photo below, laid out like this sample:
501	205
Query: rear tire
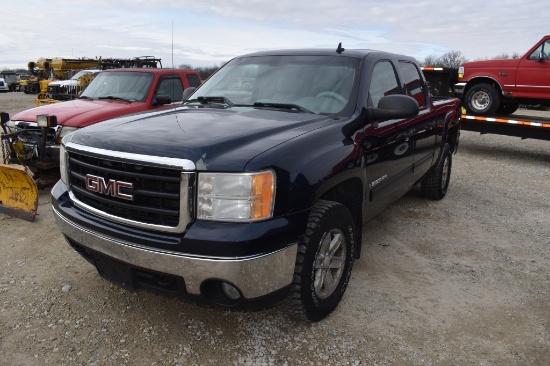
323	263
434	185
482	99
507	108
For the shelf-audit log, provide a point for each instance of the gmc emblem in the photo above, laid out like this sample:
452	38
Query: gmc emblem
111	188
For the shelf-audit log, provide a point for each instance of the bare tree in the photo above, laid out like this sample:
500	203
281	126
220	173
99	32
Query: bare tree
185	67
507	56
430	60
204	71
452	59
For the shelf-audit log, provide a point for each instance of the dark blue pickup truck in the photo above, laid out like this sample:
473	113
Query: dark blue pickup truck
255	189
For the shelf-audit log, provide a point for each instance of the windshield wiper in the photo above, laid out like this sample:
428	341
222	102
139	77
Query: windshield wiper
288	106
211	99
115	98
84	97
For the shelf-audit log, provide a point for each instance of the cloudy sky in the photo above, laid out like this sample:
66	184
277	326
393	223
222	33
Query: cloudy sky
209	32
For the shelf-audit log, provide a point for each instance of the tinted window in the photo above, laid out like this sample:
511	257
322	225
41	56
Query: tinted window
544	48
414	86
132	86
383	82
171	87
320	84
193	80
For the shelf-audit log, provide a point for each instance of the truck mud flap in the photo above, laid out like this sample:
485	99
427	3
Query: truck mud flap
18	192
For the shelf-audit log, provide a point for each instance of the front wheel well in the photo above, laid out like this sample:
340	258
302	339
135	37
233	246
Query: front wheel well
350	194
482	80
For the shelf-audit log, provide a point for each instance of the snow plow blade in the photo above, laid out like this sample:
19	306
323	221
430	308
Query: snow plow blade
18	192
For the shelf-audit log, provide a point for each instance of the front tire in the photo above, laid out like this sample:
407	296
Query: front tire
482	99
323	263
434	185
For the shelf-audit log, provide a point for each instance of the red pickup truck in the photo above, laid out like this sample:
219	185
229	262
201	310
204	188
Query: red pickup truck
112	93
500	86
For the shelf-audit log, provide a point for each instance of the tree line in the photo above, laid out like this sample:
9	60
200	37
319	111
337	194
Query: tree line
204	71
453	59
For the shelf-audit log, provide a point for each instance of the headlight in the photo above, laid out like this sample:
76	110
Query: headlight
11	126
64	131
461	72
63	164
46	120
236	196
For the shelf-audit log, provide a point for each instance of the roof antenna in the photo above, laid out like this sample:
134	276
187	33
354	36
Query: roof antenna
340	49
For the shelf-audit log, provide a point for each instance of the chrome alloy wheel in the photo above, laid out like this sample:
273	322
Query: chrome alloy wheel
329	263
481	100
445	173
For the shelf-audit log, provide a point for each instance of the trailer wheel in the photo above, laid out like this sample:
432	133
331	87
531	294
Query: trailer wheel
507	108
323	262
434	185
482	99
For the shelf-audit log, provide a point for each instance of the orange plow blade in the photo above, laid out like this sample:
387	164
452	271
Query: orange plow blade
18	192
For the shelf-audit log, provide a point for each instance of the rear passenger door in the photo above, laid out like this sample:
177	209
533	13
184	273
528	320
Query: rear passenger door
388	151
420	131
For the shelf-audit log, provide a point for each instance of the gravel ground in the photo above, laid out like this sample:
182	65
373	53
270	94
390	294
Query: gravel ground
462	281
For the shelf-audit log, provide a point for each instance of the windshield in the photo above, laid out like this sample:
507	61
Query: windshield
82	73
130	86
317	84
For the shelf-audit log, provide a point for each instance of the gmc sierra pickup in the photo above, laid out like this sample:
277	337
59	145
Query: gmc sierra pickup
256	188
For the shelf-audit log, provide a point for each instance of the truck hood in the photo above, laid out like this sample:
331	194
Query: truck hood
64	82
490	64
212	139
82	112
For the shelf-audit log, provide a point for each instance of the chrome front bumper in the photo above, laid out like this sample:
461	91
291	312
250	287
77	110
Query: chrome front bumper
458	89
255	276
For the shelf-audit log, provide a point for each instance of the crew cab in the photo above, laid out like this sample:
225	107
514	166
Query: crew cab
500	86
112	93
255	190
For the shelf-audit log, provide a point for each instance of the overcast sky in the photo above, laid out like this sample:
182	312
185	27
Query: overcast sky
210	32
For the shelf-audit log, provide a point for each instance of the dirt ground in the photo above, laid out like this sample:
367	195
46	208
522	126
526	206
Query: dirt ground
462	281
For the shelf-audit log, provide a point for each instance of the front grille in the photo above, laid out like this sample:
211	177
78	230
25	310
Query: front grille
53	89
63	92
159	194
33	133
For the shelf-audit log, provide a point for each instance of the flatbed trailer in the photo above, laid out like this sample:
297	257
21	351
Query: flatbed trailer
526	127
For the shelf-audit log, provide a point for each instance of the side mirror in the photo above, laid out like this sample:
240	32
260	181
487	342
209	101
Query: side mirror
396	106
4	117
542	57
162	99
188	92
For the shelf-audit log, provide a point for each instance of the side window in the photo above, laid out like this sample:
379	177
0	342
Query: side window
535	54
414	86
193	80
171	87
544	48
383	82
